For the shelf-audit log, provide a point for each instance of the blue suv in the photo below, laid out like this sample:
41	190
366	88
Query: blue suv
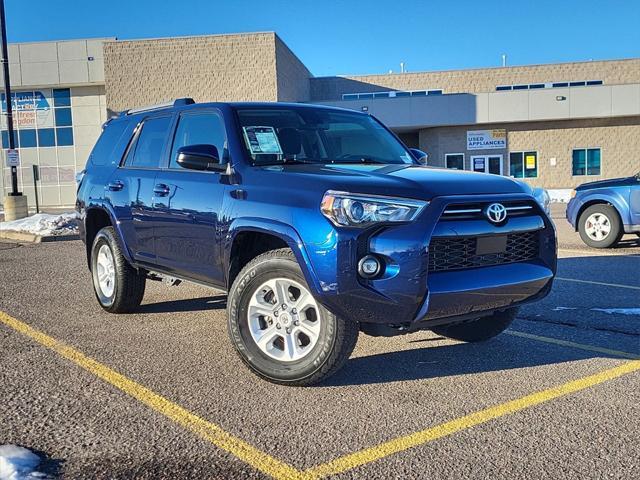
604	211
318	222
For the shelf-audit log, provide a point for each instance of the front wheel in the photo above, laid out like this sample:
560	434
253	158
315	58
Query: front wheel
600	226
479	330
118	286
277	327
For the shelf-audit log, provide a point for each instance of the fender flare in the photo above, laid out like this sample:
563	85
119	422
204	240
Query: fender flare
612	197
108	209
278	229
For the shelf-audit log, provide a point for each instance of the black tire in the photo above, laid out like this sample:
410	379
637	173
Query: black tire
479	330
336	340
129	283
616	232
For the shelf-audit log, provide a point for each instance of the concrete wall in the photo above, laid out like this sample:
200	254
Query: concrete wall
207	68
478	80
509	106
618	139
63	63
292	75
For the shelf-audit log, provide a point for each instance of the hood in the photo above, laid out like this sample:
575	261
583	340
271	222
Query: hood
413	181
614	182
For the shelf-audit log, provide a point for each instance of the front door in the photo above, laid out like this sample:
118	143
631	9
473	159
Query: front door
487	164
187	204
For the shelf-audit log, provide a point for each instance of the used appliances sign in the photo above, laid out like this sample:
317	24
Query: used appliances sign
487	139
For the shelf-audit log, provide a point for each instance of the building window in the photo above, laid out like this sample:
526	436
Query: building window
454	160
28	138
64	136
61	97
523	164
586	161
46	137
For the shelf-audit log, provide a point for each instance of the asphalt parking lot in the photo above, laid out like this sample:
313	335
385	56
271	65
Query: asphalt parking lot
161	394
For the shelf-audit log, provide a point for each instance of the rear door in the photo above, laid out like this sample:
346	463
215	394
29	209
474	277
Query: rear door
130	188
187	203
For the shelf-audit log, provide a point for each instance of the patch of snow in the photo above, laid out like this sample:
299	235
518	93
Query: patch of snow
560	195
18	463
621	311
558	309
44	224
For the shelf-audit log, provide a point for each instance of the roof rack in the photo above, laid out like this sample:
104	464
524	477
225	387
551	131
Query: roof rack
178	102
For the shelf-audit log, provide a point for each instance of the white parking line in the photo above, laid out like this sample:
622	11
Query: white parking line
602	253
604	284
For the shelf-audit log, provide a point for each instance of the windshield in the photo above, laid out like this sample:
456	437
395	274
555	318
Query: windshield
309	135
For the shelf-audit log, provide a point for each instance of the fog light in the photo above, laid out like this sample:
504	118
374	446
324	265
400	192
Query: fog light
369	266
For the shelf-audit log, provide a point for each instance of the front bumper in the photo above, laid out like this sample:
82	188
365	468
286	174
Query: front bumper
409	296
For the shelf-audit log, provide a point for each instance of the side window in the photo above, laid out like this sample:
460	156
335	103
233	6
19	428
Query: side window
147	151
100	155
197	129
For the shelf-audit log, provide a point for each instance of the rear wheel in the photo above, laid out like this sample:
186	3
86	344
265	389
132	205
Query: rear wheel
481	329
118	286
600	226
277	327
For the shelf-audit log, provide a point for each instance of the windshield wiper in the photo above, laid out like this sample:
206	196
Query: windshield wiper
362	160
291	161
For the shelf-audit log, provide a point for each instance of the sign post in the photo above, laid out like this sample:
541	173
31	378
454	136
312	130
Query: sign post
36	179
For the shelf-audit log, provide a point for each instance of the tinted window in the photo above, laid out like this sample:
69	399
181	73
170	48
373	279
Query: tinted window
196	129
147	152
46	137
455	161
63	117
62	97
107	142
586	161
27	138
65	136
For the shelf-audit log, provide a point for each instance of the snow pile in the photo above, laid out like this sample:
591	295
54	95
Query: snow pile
18	463
621	311
45	224
560	195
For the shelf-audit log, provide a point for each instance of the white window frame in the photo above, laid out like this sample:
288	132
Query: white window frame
586	166
524	177
446	160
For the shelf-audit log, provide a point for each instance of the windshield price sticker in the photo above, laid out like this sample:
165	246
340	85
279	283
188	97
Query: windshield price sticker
262	140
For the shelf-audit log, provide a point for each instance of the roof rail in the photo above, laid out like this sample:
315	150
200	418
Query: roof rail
178	102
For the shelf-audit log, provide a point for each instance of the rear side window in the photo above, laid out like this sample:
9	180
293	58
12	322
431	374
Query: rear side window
196	129
101	153
147	150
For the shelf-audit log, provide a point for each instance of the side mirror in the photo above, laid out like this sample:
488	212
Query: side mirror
200	157
420	156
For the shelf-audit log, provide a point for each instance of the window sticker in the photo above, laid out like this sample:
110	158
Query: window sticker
262	140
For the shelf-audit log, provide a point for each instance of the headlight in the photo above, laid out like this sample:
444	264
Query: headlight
542	197
355	210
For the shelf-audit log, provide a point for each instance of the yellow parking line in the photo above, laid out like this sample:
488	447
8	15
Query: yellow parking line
591	282
566	343
397	445
277	468
207	430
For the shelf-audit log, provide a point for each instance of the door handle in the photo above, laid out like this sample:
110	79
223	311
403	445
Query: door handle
115	186
161	190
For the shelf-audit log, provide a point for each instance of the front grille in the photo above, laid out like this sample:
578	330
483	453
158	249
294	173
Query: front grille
447	254
472	211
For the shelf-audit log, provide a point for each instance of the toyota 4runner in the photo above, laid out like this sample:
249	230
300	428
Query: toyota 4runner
319	223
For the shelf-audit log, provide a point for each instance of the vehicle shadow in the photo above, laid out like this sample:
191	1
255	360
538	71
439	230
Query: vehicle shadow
218	302
502	353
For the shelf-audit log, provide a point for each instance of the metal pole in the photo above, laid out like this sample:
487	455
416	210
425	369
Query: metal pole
36	178
7	94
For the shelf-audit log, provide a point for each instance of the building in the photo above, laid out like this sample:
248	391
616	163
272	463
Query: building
555	126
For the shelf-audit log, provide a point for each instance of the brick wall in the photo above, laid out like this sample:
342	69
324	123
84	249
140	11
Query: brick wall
478	80
207	68
618	139
293	76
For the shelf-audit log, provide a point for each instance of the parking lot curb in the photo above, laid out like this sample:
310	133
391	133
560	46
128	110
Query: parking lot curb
33	238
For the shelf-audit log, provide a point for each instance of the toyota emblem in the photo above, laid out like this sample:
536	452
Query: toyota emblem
496	213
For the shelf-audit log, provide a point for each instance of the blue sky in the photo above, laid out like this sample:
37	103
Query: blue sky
357	37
